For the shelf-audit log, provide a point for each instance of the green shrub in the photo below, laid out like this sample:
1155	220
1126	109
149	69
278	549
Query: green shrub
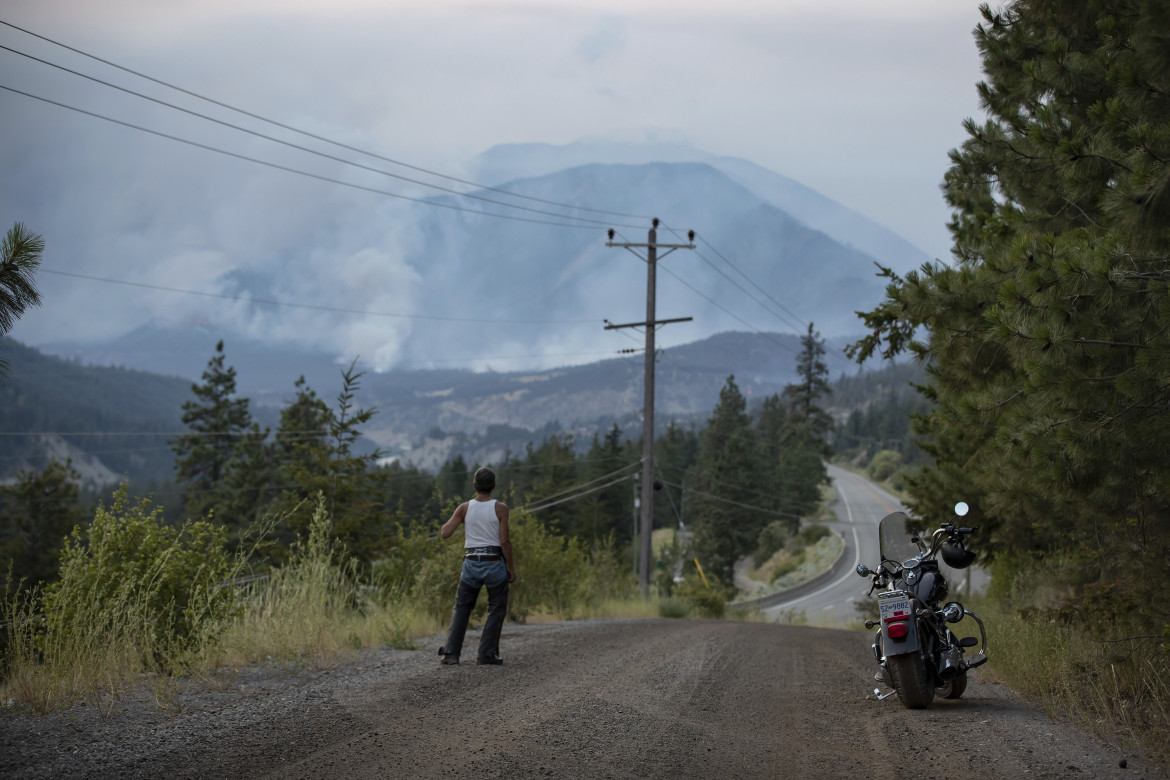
130	577
609	575
883	465
553	572
674	608
811	534
771	540
788	565
436	578
706	600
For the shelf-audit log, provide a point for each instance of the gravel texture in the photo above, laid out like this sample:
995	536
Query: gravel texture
609	698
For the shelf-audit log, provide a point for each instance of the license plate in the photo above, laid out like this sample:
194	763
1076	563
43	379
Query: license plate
895	607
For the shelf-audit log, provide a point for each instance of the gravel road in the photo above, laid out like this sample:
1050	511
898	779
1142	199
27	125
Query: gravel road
593	699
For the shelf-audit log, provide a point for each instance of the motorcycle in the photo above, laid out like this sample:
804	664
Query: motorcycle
920	657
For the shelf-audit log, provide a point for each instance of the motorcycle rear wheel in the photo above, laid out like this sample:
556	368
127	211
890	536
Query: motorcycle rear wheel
911	681
953	688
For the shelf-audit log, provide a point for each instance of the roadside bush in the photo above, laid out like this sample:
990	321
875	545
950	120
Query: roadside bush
131	577
134	595
553	572
771	540
674	608
708	601
789	564
811	534
883	465
437	578
609	575
296	614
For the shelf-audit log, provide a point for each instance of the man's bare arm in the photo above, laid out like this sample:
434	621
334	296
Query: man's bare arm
456	520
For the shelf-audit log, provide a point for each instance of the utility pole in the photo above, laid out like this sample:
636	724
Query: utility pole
647	482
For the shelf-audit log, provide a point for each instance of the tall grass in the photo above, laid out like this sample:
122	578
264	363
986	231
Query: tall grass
139	601
134	597
315	610
1118	687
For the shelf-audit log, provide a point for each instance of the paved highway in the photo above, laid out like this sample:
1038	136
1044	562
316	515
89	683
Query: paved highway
830	600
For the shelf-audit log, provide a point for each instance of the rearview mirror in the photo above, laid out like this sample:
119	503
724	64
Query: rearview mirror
961	509
863	570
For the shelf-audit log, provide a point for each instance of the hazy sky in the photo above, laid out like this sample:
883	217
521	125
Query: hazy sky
856	99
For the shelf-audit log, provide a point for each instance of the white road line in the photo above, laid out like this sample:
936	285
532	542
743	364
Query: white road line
848	574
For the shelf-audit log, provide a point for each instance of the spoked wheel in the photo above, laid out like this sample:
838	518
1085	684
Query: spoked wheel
953	688
911	681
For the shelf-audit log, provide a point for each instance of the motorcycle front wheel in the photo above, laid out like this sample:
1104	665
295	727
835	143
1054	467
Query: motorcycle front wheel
911	681
953	688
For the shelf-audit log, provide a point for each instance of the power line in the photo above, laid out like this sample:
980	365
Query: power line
288	169
750	281
710	300
319	137
530	508
785	319
627	467
298	147
288	304
800	323
713	497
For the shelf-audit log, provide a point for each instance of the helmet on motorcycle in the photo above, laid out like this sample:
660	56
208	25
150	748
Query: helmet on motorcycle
955	556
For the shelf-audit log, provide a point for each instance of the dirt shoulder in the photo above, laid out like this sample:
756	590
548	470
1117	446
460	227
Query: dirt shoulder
636	698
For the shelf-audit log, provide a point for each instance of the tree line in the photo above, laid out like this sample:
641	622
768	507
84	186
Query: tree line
726	482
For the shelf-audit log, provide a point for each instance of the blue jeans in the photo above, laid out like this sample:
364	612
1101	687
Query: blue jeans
477	574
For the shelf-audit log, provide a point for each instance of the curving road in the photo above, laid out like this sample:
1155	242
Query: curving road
830	599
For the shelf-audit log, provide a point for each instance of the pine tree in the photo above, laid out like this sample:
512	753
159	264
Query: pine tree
553	469
20	256
675	452
608	512
727	465
303	427
217	420
348	479
1047	342
36	514
454	479
804	396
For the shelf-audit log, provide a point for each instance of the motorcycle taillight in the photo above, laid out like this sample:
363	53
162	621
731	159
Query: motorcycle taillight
899	629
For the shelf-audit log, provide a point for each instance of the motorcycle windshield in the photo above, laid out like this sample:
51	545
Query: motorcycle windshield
894	538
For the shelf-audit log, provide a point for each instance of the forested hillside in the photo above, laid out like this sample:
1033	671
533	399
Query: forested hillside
69	403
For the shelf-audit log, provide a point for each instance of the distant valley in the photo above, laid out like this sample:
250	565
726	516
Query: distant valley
113	420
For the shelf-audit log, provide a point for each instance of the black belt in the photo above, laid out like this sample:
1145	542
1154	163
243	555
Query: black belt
481	557
489	550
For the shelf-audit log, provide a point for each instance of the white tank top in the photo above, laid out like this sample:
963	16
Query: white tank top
482	527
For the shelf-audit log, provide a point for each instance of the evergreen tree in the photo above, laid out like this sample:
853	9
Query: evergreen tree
553	466
1047	343
804	396
217	419
303	428
675	452
351	486
454	479
607	512
20	256
36	514
728	461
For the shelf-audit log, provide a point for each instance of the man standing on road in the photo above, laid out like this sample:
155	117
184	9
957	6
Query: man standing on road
487	561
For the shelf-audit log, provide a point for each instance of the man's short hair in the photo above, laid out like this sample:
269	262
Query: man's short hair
485	480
